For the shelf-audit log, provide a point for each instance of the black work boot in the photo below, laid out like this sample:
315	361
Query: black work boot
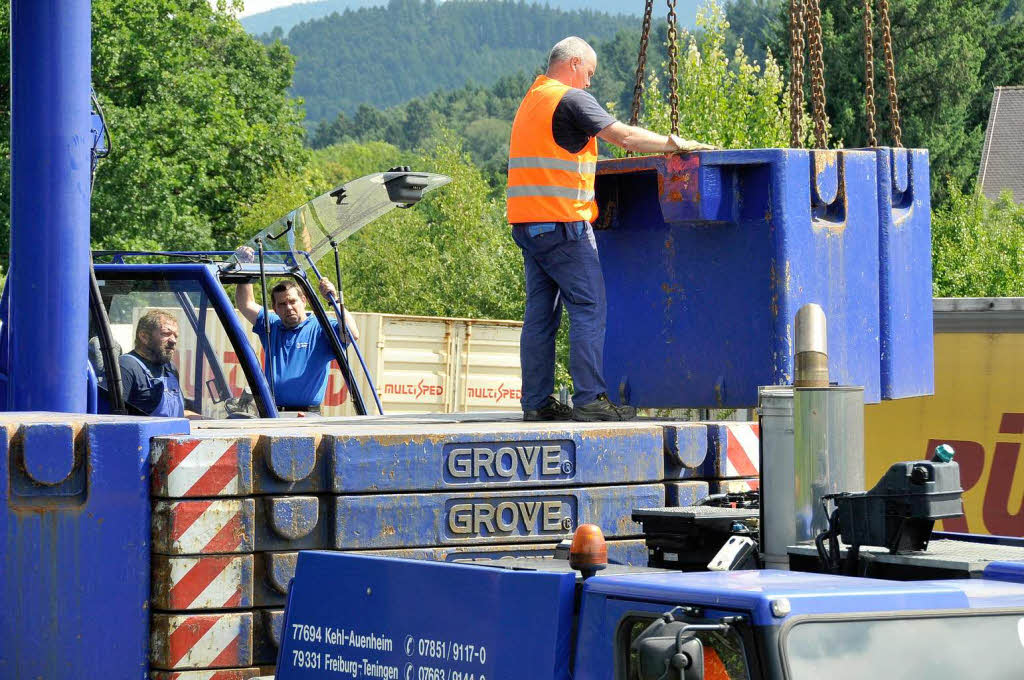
602	409
551	410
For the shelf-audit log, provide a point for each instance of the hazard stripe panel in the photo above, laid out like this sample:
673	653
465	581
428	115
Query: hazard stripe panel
199	527
414	520
208	465
207	582
220	674
184	467
742	458
197	641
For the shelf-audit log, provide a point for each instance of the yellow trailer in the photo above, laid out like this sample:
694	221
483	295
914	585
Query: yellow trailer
978	408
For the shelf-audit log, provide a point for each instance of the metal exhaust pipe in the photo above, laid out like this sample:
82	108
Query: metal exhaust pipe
810	364
812	443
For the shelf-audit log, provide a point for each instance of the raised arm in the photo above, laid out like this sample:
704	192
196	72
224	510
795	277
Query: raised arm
244	298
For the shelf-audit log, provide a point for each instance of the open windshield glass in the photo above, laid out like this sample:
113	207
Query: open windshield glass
334	216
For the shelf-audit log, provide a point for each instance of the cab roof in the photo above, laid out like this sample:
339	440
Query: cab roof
807	593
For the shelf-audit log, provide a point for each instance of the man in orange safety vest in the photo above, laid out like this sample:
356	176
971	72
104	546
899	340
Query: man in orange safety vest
550	205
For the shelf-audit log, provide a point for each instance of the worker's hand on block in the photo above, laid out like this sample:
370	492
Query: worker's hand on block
244	254
688	145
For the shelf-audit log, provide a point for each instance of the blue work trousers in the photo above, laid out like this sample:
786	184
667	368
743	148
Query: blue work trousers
562	268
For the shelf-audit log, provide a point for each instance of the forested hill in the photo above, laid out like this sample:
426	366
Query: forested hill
384	56
286	17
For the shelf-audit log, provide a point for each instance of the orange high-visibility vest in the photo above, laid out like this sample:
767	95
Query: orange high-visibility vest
546	183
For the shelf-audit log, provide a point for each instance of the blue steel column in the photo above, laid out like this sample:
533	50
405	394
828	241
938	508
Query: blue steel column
50	146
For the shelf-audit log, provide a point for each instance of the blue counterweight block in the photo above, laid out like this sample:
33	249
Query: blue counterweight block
707	258
905	274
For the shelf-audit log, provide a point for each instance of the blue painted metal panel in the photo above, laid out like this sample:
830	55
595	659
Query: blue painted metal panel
905	283
753	591
707	258
439	519
293	522
686	446
275	570
74	570
346	608
682	494
50	185
1000	588
1005	571
449	457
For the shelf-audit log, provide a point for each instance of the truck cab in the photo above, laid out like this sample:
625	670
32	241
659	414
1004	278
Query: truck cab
537	618
220	363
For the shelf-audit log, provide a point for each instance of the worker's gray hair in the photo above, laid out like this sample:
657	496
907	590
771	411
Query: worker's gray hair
149	323
567	48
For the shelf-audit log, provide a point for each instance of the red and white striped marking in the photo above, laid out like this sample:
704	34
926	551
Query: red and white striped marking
201	641
203	527
742	459
222	674
184	467
209	582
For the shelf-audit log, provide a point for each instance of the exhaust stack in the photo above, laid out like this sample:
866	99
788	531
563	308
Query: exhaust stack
810	364
812	444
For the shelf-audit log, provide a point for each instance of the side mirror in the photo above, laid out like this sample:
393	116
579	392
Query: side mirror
669	651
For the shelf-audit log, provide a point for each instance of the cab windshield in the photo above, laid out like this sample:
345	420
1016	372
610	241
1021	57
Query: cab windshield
977	646
212	382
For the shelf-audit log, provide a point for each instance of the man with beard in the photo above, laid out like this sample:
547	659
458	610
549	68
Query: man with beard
148	378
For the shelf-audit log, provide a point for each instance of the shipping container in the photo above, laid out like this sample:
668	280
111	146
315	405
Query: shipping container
978	408
418	364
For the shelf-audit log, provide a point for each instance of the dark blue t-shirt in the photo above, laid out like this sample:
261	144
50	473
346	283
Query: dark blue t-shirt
302	358
577	118
138	389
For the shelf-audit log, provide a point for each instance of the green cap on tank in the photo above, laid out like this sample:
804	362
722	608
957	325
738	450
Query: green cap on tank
943	453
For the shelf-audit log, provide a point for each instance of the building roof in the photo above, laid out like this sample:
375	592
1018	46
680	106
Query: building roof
1002	158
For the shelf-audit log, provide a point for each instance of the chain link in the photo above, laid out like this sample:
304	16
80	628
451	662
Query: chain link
796	73
673	58
869	74
890	71
813	12
641	63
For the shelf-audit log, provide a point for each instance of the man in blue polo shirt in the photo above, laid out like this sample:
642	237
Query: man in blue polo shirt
301	349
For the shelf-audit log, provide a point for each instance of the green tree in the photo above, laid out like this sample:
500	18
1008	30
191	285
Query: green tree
451	255
729	103
755	24
200	119
977	246
949	55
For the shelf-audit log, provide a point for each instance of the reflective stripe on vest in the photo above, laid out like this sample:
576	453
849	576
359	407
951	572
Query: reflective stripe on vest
546	183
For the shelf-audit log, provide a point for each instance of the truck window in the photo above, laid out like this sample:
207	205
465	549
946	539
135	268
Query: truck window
975	646
211	379
724	656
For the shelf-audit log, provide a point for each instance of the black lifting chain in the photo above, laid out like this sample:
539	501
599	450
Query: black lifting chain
673	57
641	64
796	73
890	71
